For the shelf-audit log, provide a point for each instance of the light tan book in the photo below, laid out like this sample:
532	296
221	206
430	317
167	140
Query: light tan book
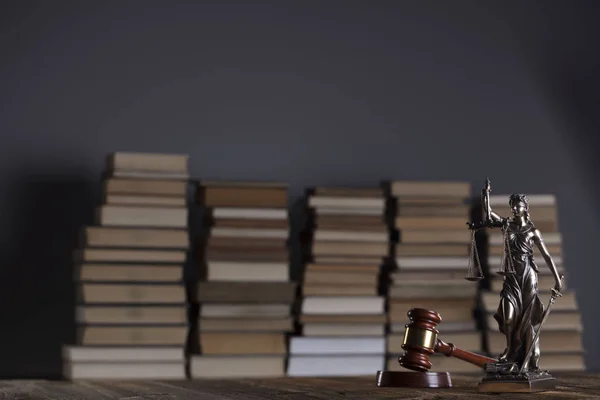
430	201
246	324
433	276
100	236
319	201
249	213
436	236
246	343
247	271
131	294
128	273
373	305
258	233
351	248
341	211
243	196
156	201
436	210
99	354
369	268
405	188
151	162
338	191
245	254
347	260
246	292
350	220
319	364
341	278
251	223
128	174
352	236
345	227
310	289
341	318
221	367
131	370
136	315
435	263
138	216
431	250
137	187
233	310
430	223
133	335
120	255
243	184
440	291
246	243
343	329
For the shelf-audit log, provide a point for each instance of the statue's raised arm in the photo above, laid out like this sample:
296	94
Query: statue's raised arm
490	219
490	216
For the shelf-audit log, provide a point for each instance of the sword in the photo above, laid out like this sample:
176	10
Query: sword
554	295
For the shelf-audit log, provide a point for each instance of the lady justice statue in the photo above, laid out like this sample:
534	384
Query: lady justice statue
520	309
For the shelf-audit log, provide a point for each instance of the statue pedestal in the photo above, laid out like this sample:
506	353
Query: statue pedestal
505	378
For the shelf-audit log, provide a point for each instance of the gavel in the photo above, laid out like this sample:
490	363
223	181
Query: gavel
421	340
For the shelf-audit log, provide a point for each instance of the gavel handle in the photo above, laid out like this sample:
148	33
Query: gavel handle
450	350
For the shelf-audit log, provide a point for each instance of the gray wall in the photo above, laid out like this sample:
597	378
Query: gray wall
311	92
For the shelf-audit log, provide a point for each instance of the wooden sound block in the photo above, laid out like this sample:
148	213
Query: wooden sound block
414	379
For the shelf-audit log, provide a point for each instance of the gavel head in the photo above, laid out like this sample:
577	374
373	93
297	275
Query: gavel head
420	339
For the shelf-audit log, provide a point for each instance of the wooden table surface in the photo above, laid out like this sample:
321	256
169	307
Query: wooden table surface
570	386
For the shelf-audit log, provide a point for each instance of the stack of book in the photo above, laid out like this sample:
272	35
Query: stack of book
342	314
432	256
560	339
245	294
131	313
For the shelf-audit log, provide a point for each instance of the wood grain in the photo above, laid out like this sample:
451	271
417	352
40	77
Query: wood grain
570	386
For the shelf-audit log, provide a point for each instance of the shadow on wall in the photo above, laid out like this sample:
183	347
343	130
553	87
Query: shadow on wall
44	215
